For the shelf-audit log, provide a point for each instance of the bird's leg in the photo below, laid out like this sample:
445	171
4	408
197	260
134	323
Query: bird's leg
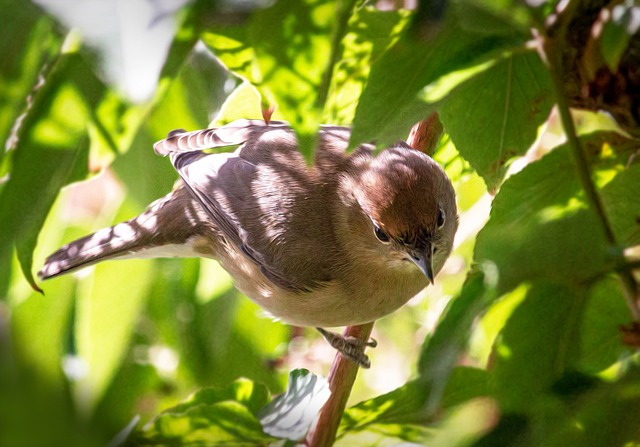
351	348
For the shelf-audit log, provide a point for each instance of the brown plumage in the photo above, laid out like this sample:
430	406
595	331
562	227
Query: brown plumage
345	241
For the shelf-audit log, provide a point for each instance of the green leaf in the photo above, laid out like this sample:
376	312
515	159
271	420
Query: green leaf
51	151
293	43
620	198
221	424
494	116
252	395
286	52
34	43
214	417
600	341
616	33
442	351
104	324
538	344
395	413
607	416
370	33
541	227
290	415
409	66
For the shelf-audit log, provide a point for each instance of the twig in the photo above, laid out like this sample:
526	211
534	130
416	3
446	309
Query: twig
341	378
554	59
424	136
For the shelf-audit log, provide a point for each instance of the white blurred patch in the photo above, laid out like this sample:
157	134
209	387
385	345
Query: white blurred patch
132	37
74	367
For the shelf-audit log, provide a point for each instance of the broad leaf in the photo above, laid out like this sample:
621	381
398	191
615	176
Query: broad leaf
538	344
410	65
51	151
213	417
494	116
402	413
442	351
541	226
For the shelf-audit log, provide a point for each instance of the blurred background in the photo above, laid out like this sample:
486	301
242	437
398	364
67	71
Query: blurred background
96	83
133	337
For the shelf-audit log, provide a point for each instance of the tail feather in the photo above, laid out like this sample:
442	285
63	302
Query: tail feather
166	228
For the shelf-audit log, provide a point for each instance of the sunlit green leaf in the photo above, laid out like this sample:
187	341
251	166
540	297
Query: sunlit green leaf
51	151
32	43
407	406
600	340
215	417
494	116
540	225
371	31
442	350
549	317
409	66
105	319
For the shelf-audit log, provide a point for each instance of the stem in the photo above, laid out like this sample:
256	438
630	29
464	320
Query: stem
341	378
425	134
555	61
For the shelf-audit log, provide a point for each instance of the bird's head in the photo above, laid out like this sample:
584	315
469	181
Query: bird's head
411	206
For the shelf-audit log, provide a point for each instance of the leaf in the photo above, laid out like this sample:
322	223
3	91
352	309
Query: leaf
293	43
290	415
38	43
242	103
620	198
607	416
409	66
370	33
104	324
252	395
600	341
541	227
441	352
494	116
395	412
51	152
221	424
285	51
214	417
616	33
538	344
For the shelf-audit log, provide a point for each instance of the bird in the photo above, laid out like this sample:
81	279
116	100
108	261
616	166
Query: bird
342	241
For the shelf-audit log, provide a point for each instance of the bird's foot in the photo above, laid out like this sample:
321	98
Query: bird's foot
351	348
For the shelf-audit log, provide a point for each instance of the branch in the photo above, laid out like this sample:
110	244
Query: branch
341	378
554	58
424	136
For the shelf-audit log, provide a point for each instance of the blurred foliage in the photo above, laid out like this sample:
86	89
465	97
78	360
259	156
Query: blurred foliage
517	344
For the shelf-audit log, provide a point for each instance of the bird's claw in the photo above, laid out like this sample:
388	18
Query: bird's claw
351	348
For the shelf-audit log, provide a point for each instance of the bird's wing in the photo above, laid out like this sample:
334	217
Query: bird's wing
233	134
219	182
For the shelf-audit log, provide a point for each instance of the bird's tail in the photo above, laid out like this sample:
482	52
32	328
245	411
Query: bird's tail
163	230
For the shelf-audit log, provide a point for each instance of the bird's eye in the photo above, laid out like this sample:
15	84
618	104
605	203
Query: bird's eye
380	234
441	218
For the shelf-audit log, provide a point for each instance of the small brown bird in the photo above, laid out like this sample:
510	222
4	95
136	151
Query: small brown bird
343	242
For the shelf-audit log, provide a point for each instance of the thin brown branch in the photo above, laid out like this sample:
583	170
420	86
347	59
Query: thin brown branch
424	136
341	378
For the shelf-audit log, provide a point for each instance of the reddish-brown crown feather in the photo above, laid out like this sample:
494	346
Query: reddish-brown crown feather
398	192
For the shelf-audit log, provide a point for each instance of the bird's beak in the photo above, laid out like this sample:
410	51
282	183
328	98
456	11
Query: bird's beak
424	260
